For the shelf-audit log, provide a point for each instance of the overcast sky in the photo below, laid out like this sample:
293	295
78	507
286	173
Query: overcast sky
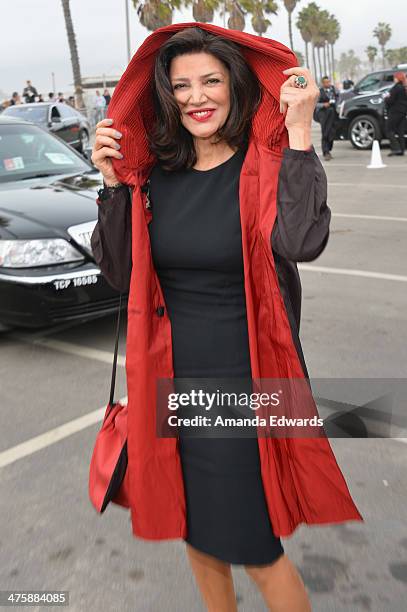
33	40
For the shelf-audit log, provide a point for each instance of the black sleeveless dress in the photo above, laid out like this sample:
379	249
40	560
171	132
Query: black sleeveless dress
196	246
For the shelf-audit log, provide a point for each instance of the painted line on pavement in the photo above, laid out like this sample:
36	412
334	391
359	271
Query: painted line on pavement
373	217
353	272
343	165
72	349
60	327
29	447
52	436
368	185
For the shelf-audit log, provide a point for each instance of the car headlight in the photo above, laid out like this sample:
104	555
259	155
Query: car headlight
376	100
38	252
341	106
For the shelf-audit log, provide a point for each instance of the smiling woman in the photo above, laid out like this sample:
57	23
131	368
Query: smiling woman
213	100
221	211
212	112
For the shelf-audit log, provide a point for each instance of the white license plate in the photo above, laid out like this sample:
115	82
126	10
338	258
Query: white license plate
79	281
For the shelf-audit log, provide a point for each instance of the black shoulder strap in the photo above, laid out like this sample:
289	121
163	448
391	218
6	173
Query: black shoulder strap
111	400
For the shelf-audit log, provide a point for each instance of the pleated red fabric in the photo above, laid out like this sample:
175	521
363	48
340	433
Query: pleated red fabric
302	480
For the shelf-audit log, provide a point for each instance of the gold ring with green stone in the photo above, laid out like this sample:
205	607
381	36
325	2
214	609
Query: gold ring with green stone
300	81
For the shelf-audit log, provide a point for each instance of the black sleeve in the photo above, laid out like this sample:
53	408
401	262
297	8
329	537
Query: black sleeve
321	100
111	239
392	97
301	228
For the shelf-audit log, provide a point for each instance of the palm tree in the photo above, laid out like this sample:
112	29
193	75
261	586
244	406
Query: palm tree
349	64
203	10
76	68
371	53
396	56
306	37
305	31
383	34
236	19
259	9
321	38
393	56
334	31
308	24
300	58
155	14
403	55
290	6
319	44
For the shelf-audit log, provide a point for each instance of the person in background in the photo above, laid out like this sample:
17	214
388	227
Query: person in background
29	93
51	97
71	101
15	99
40	98
347	84
396	102
326	115
100	107
345	90
107	97
61	98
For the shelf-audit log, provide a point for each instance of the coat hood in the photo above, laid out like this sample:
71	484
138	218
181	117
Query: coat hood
131	106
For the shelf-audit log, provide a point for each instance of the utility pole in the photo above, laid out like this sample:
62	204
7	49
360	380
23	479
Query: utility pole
126	3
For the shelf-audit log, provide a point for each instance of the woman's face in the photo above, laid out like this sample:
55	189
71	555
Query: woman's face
200	82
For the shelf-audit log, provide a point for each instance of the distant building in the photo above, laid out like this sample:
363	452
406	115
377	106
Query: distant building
91	84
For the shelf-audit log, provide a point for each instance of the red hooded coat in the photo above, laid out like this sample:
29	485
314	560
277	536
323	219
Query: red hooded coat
301	479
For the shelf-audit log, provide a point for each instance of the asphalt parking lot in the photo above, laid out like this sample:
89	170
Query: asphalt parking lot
55	384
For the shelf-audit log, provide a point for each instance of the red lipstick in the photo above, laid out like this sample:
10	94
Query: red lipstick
208	112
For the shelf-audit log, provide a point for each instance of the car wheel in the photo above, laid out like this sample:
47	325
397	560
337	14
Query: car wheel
363	131
84	140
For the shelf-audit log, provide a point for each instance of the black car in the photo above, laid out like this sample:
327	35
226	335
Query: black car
58	118
376	81
363	118
48	211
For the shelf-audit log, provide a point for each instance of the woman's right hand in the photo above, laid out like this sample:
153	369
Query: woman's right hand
104	149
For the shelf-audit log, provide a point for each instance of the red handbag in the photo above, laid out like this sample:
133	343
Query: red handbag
108	473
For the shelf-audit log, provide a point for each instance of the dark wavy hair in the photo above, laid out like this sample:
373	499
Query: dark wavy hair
169	140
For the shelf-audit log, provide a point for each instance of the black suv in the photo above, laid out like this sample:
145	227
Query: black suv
375	81
362	113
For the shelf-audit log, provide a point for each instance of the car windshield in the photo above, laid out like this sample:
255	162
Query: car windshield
36	114
369	83
27	151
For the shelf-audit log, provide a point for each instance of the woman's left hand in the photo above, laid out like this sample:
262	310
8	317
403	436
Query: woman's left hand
298	106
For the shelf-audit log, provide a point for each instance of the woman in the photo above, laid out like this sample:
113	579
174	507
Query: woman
206	298
396	103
